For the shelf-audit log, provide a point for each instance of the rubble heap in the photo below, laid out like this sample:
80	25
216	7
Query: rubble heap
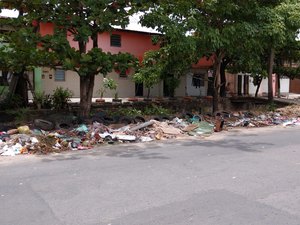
44	136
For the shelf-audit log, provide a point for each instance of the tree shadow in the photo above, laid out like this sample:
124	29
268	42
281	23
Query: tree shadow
135	153
232	144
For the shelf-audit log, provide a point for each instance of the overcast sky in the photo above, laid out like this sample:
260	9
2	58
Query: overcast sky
134	21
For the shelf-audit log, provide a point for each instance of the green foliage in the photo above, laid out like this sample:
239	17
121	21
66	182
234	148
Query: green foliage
10	102
124	61
271	106
291	72
150	72
21	115
3	92
178	48
148	111
43	100
61	97
82	22
20	53
156	110
109	83
127	112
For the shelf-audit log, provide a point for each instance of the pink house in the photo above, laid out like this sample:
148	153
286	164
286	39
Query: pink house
119	40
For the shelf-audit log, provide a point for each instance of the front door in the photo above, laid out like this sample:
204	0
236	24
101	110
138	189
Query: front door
139	89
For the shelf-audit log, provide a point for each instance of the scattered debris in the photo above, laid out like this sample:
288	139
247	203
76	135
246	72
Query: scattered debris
41	137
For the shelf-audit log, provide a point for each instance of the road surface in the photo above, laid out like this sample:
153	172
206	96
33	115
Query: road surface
249	176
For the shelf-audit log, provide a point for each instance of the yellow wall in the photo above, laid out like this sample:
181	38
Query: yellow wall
126	86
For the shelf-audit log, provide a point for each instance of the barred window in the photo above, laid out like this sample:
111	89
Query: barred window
59	75
115	40
198	80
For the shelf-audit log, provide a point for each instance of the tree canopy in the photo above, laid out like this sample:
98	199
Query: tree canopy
82	21
250	34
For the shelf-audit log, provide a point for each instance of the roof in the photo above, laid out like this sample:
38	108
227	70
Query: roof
134	25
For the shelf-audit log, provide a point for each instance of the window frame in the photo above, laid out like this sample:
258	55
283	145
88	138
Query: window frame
116	40
55	75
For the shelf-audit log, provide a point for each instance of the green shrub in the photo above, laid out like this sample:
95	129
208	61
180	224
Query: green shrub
11	102
128	112
20	116
156	110
271	106
45	101
61	97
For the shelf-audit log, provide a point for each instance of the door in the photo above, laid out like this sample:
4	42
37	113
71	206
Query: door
139	89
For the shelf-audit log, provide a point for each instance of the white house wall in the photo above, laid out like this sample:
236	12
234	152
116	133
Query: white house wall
263	90
192	90
263	87
126	86
285	85
181	89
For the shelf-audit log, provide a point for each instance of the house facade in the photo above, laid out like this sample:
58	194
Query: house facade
242	85
193	83
295	86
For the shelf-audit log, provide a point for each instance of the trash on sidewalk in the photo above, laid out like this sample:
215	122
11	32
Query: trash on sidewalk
203	128
143	125
31	139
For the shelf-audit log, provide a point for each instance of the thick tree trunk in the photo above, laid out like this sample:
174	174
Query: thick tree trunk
278	86
18	87
270	74
216	74
224	63
86	94
223	81
258	86
4	78
22	90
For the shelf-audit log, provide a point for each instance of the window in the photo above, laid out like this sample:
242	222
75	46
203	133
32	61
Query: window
59	75
115	40
198	80
123	74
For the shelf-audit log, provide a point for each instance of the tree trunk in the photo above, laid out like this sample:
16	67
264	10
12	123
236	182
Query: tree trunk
223	81
258	86
224	63
216	74
86	94
4	78
278	85
22	90
270	74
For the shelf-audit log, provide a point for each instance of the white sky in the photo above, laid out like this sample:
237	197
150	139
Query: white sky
9	13
133	25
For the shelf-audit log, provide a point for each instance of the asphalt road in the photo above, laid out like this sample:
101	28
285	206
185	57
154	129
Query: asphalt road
232	178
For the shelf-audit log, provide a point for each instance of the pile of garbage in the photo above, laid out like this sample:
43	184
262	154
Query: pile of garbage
44	136
248	119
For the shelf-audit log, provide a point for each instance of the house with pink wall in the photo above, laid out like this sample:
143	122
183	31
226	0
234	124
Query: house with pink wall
122	40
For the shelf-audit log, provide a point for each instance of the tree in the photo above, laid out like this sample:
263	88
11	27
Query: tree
149	74
83	21
215	27
274	42
178	50
231	31
288	50
20	53
225	29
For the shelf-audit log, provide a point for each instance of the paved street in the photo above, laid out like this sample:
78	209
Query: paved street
249	176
